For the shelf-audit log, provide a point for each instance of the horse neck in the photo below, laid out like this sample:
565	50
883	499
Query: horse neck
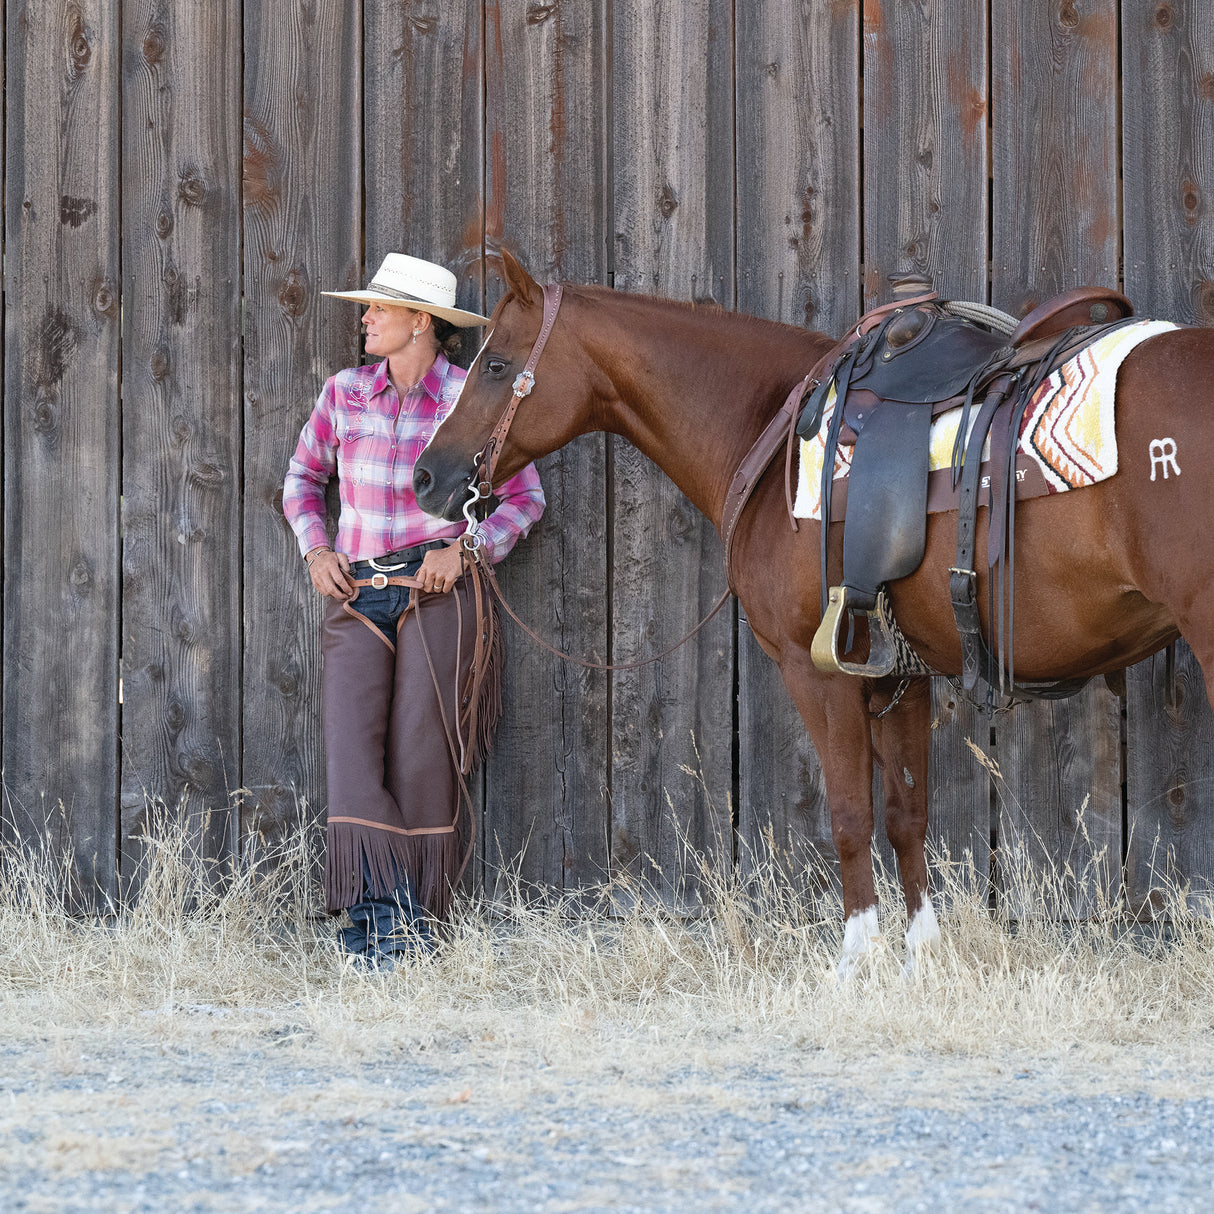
694	386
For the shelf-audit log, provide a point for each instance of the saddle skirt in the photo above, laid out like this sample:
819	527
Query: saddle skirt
1066	439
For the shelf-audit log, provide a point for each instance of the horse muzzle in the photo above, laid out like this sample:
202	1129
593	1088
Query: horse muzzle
441	492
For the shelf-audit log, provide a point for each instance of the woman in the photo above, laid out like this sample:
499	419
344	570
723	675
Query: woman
400	626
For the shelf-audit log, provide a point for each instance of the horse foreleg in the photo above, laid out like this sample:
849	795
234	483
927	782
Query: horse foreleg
902	742
835	711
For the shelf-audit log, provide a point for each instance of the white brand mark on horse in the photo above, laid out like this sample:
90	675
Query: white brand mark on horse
1163	455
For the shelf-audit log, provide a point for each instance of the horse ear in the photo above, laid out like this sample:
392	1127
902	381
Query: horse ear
518	280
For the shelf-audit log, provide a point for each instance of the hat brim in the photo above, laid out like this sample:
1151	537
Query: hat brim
456	316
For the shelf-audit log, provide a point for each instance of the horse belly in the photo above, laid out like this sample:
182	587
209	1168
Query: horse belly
1078	610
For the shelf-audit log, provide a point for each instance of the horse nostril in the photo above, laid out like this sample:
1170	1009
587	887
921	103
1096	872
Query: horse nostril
421	478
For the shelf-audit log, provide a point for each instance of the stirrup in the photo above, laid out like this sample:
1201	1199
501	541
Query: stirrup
825	648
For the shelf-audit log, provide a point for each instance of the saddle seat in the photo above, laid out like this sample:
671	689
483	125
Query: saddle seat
904	364
929	356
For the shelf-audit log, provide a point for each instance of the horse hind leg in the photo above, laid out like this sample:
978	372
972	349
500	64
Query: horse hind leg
902	745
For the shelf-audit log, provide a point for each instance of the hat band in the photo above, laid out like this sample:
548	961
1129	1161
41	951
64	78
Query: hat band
395	294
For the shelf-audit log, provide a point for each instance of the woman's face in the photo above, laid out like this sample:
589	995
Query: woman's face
389	328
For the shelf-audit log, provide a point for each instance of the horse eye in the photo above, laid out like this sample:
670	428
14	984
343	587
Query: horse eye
494	365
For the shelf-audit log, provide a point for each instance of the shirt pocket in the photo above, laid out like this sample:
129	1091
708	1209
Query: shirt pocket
363	443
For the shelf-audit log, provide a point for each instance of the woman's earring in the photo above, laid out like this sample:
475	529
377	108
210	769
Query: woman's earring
416	334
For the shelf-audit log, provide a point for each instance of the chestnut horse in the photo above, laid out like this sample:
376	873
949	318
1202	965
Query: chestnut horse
1106	575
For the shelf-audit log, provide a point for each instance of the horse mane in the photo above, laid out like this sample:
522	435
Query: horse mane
750	327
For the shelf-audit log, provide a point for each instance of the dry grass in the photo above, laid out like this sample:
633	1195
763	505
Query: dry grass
251	953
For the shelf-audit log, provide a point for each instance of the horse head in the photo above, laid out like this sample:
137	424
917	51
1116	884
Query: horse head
541	412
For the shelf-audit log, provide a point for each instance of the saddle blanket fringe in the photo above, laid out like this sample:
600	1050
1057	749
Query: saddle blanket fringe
1067	434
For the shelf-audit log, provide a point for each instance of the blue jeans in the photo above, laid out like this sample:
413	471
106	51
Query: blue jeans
385	607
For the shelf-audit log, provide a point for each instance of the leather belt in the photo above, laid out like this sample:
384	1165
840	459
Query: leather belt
402	556
390	562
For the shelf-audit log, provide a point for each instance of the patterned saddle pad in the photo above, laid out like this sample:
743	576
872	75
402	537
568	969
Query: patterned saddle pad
1067	436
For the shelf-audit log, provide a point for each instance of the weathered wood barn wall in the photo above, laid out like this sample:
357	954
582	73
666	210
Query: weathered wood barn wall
182	178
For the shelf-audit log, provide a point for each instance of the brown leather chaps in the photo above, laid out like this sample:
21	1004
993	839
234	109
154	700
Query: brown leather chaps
396	718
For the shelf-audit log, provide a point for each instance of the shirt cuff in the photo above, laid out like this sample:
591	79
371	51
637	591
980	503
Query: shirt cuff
313	536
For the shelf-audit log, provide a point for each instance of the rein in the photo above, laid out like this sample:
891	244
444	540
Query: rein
484	464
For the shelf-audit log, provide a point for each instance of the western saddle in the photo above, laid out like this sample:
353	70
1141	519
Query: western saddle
902	365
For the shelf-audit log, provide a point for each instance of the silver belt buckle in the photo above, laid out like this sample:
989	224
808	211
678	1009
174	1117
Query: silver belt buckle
380	579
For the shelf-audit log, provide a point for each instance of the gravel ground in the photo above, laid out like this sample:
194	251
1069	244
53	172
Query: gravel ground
274	1121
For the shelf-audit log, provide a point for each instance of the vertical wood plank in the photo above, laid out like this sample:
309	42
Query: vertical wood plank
1059	805
925	145
1168	140
302	213
181	623
424	135
424	131
672	169
1055	156
1055	226
61	430
546	778
925	211
797	182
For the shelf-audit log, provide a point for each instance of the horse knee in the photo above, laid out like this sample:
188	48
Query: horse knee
852	834
905	824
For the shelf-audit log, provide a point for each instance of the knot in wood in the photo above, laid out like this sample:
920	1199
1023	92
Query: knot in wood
105	299
192	190
293	298
207	474
43	417
153	46
1068	18
537	14
81	51
1164	17
667	202
1190	199
286	680
164	225
158	364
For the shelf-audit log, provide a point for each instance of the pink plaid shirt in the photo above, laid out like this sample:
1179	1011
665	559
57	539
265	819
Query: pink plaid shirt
362	431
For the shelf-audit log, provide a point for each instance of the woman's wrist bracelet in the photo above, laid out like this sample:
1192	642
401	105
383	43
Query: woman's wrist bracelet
311	556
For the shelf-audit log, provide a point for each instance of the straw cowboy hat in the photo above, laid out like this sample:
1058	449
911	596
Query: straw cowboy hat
417	284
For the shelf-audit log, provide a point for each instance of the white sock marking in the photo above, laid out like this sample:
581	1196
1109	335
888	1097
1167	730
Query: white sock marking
922	936
860	936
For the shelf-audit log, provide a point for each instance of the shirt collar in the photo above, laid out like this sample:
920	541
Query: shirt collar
431	383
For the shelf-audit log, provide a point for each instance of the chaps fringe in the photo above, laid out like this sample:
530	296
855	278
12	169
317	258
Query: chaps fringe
486	693
433	861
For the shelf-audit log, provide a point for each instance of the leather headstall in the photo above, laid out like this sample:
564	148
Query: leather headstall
485	461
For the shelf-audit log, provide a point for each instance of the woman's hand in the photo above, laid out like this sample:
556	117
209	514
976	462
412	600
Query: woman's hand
442	568
330	572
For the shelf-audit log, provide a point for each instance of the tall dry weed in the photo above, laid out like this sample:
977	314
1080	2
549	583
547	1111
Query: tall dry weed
244	946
